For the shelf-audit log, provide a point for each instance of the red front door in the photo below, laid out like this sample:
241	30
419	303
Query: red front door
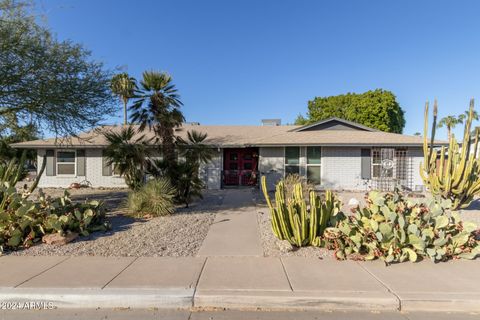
240	167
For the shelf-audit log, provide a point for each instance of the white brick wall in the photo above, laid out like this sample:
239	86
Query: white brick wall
271	164
93	173
341	168
211	172
416	155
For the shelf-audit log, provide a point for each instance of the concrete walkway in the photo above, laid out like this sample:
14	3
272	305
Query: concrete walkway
235	229
244	283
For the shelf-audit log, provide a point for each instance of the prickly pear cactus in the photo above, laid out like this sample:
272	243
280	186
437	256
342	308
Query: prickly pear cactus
396	229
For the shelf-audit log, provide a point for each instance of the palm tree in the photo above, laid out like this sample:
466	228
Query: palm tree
464	116
128	153
449	122
186	174
194	148
158	107
124	86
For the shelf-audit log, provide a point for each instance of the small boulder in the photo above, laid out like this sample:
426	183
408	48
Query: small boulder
58	239
353	202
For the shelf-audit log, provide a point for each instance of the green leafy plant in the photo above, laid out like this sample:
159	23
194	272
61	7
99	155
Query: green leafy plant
300	222
395	229
452	172
156	197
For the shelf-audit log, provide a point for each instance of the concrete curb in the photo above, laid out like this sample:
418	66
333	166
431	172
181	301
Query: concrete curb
239	300
440	302
286	301
101	298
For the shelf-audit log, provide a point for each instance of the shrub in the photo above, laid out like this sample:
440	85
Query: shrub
395	229
300	222
156	197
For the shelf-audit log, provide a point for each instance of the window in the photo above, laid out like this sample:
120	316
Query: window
66	162
314	156
115	170
292	160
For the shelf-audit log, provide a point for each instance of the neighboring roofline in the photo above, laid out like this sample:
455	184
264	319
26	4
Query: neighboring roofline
351	123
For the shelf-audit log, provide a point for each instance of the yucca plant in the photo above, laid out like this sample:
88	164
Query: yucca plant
452	172
156	197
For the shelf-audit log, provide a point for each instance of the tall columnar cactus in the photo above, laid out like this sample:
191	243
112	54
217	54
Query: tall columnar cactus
452	172
295	220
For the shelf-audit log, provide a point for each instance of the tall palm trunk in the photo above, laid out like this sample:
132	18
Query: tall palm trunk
168	145
125	118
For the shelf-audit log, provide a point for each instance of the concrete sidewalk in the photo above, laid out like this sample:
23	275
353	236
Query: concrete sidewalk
235	229
245	283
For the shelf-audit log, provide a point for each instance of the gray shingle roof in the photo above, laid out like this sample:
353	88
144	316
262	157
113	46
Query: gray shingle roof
239	136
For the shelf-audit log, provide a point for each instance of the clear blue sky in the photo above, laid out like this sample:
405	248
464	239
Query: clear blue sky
235	62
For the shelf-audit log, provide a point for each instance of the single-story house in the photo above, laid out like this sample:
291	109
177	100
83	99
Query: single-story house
332	153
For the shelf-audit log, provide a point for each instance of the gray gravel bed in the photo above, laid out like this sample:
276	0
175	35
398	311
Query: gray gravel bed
180	234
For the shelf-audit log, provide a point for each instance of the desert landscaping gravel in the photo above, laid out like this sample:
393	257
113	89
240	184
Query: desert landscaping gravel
180	234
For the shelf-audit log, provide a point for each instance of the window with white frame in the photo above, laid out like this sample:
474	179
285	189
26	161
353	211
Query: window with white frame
292	160
66	162
314	155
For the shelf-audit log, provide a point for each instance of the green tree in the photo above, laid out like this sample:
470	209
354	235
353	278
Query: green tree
377	109
128	153
124	86
53	84
158	108
301	120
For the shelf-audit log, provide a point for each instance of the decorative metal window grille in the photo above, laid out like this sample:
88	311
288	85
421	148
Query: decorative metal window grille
391	168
